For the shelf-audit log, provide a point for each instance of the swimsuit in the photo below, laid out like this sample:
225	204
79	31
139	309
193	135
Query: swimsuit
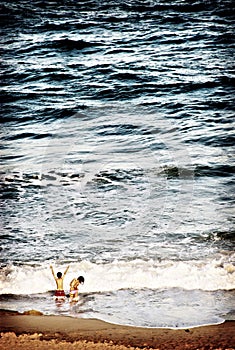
59	293
73	291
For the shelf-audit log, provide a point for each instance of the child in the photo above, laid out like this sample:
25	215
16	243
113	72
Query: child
73	294
59	293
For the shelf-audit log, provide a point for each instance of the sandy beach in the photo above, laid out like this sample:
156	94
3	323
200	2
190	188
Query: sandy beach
31	331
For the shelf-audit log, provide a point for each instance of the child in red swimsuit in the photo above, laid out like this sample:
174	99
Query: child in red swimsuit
59	279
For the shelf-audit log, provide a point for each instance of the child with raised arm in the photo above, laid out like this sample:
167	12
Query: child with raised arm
59	279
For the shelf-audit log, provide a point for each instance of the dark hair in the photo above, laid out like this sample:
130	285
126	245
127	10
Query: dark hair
59	274
81	279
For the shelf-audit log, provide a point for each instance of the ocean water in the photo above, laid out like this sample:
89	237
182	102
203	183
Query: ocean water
117	158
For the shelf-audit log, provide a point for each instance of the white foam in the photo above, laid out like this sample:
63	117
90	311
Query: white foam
137	274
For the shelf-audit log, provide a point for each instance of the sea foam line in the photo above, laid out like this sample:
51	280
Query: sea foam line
137	274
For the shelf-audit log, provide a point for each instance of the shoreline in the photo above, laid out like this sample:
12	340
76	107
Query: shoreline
32	330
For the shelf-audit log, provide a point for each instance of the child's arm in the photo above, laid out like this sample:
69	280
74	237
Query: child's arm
52	271
72	283
66	270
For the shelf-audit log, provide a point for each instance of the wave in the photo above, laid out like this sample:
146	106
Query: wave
15	11
39	115
69	44
223	140
137	274
27	135
112	175
173	11
217	170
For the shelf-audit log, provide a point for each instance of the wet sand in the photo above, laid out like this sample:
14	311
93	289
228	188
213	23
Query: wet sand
34	331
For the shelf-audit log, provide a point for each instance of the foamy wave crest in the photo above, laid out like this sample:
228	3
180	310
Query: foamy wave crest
137	274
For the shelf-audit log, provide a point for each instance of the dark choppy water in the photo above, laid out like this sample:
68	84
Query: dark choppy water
117	156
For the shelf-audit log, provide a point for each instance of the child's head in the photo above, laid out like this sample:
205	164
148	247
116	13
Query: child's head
81	279
59	274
